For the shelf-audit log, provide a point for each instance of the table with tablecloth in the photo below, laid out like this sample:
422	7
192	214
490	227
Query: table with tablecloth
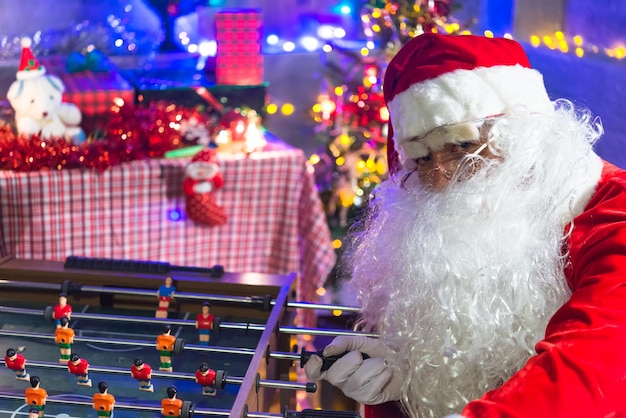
136	211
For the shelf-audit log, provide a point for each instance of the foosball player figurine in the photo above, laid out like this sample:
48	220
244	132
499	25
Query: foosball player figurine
204	324
62	309
165	345
171	406
36	396
79	367
206	378
142	372
165	295
103	402
64	337
17	363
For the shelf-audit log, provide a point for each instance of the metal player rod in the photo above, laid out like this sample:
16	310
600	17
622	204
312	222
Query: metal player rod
231	380
278	355
142	407
189	322
179	295
125	291
136	343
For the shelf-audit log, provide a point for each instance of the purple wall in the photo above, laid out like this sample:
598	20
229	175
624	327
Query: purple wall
597	83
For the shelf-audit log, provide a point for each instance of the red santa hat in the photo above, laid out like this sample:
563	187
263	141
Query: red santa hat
439	80
29	66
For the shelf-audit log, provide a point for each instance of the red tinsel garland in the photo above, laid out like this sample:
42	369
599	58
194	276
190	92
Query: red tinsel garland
132	133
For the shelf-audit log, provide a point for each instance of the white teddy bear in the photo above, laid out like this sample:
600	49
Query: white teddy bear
37	100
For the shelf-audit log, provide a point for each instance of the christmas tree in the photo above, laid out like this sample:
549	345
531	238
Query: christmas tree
350	111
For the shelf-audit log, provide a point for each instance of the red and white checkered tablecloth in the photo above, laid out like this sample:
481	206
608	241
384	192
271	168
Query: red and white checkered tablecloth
276	223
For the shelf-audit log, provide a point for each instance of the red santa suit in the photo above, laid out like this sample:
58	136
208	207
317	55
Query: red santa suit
202	179
578	369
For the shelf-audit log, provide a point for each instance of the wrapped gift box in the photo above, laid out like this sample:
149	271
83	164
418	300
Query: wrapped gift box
93	92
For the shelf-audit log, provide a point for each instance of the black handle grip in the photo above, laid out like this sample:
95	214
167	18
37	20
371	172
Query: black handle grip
326	361
155	267
321	413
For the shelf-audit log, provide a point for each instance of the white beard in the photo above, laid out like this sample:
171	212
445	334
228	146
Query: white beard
461	283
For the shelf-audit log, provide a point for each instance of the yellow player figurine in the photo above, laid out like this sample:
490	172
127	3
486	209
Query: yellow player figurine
170	406
64	337
165	295
36	396
103	402
165	345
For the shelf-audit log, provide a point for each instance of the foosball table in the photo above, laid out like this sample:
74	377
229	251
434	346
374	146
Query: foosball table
119	317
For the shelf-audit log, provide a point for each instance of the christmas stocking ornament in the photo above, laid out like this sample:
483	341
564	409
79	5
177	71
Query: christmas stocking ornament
202	178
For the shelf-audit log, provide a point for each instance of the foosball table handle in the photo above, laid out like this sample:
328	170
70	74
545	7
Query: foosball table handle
321	413
136	266
327	361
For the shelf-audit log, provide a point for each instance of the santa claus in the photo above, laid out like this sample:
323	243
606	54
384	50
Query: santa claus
202	179
493	261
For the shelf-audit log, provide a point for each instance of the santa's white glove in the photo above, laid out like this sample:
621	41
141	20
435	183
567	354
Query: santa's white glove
368	381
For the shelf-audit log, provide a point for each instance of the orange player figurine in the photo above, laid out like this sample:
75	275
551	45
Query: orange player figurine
165	295
62	309
165	345
64	337
206	378
204	324
36	396
17	363
142	372
103	402
170	406
33	412
79	367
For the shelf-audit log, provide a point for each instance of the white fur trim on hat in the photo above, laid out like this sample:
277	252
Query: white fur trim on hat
462	96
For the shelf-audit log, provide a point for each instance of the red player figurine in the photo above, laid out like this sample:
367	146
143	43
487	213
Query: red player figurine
165	295
64	337
170	406
143	373
35	395
204	324
206	378
16	362
103	402
62	309
79	367
165	345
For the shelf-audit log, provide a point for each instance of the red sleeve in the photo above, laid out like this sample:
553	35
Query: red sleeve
580	367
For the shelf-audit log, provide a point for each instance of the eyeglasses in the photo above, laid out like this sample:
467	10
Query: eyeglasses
448	164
